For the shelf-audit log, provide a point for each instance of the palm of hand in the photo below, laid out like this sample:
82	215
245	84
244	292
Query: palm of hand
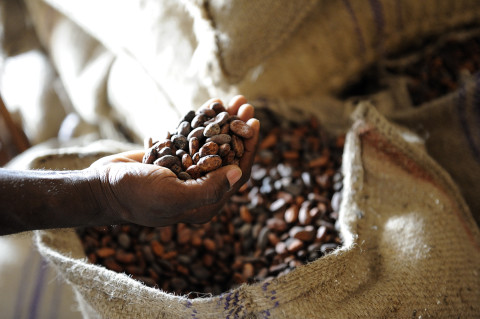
153	196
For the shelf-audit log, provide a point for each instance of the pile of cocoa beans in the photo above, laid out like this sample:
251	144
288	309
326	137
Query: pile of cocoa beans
282	218
203	141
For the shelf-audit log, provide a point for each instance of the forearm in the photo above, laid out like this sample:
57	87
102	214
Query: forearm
36	199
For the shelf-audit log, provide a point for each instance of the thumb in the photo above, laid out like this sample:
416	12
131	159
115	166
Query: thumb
230	174
233	174
213	187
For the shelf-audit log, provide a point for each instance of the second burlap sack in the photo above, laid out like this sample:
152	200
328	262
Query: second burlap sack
411	249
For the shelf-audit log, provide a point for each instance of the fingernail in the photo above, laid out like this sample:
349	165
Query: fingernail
234	175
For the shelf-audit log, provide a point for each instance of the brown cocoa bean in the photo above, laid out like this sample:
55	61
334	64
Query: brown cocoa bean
105	252
198	121
157	248
211	130
229	158
186	161
225	129
189	116
184	128
217	107
209	163
241	128
237	146
176	168
180	153
194	145
111	264
291	214
220	139
223	149
245	214
184	176
209	148
150	156
165	151
207	112
209	244
276	224
159	145
166	161
194	171
179	141
294	245
197	132
166	234
196	157
124	257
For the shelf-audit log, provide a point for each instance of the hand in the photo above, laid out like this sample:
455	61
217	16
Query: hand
153	196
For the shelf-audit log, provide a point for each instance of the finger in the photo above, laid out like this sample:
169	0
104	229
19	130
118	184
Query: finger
204	213
209	189
235	104
246	112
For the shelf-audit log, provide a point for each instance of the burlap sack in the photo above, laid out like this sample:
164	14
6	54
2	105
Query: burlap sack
146	63
285	48
411	249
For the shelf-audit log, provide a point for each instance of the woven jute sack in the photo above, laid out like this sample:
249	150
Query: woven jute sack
147	62
292	48
410	249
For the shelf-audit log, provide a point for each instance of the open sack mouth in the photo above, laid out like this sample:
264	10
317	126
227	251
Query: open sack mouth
282	218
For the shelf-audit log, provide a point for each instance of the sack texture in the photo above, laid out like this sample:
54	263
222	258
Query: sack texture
411	249
310	47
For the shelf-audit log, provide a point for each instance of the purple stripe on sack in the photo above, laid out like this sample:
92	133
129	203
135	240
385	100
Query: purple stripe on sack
265	286
37	294
22	287
462	116
194	311
379	18
56	299
356	26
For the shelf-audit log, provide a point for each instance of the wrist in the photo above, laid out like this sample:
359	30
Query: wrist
97	194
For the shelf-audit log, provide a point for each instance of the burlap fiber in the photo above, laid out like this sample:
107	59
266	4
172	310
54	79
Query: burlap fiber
411	249
147	62
329	47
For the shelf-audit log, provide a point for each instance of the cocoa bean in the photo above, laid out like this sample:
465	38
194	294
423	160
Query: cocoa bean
194	171
186	161
197	132
237	146
165	151
194	145
166	161
241	128
209	163
280	219
209	148
184	128
150	156
207	112
223	149
217	107
198	121
179	141
211	130
220	139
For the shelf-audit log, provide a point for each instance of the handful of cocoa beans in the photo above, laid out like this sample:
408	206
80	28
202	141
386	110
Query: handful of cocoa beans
203	142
